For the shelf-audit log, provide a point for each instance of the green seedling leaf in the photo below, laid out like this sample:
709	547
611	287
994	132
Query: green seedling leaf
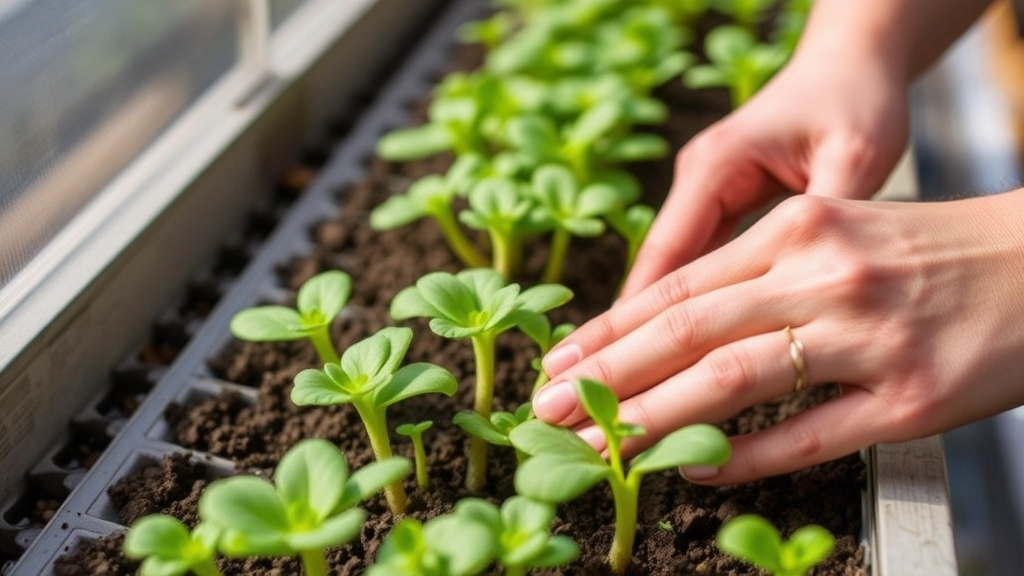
413	143
371	479
413	429
738	62
323	296
556	479
701	444
444	546
415	434
636	148
476	425
537	437
520	530
753	539
167	548
416	380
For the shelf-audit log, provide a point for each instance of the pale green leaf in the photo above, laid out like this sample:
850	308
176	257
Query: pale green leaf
467	545
267	324
395	212
332	532
312	474
557	478
524	515
371	479
325	293
726	44
600	403
451	298
476	425
315	388
636	148
414	143
695	445
595	123
558	551
415	380
752	539
409	303
807	546
244	503
156	535
537	437
706	77
161	566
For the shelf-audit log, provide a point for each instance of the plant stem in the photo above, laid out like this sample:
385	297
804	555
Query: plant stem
542	379
321	340
207	568
515	570
460	245
742	90
501	246
377	429
626	493
420	454
483	351
313	562
556	257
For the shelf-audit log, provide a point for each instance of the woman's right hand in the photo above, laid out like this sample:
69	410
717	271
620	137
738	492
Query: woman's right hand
827	125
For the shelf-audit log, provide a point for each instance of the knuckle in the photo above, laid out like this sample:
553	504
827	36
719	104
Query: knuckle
680	327
804	439
729	371
598	369
672	289
804	218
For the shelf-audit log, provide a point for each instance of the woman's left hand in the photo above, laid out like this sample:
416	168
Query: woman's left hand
916	309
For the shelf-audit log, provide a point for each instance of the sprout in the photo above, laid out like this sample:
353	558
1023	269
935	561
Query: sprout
166	547
746	13
494	430
307	509
540	331
562	466
489	32
571	210
368	377
643	46
444	546
633	225
319	302
520	529
476	304
415	433
737	62
498	206
572	96
753	539
432	196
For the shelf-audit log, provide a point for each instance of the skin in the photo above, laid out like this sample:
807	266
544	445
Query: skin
915	308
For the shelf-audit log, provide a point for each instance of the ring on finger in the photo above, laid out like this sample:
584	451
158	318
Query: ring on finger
796	352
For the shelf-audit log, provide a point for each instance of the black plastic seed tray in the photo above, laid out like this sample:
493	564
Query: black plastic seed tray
144	438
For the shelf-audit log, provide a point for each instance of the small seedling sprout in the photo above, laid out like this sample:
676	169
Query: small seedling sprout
476	304
318	303
415	434
753	539
738	62
494	430
562	466
499	207
633	225
540	331
308	508
166	547
369	378
489	32
746	13
444	546
520	529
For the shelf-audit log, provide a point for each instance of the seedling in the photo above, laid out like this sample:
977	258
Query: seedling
665	526
643	44
540	331
415	433
476	304
570	97
746	13
738	62
166	547
753	539
432	196
499	207
633	225
490	32
520	529
570	210
444	546
454	124
318	303
562	466
494	430
307	509
369	378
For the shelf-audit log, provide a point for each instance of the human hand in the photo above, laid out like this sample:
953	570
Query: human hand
817	128
915	308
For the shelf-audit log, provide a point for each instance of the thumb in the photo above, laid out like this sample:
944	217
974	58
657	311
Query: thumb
847	168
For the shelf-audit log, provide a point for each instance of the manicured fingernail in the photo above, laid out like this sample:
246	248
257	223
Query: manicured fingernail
561	358
698	473
592	435
554	402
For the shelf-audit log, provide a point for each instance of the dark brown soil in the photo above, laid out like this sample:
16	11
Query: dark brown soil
678	521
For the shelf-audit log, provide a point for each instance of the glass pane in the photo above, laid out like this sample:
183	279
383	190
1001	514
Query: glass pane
280	10
85	85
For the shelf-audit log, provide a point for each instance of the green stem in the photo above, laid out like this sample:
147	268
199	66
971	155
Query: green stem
627	494
504	259
483	351
313	562
377	429
742	90
420	454
207	568
464	249
515	570
321	340
556	257
542	379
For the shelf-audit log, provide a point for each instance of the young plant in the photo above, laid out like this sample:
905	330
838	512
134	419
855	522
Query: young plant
476	304
632	224
540	331
520	529
444	546
318	303
569	97
432	196
562	466
494	430
369	378
738	62
166	547
307	509
454	124
489	32
415	433
746	13
753	539
643	45
499	207
569	210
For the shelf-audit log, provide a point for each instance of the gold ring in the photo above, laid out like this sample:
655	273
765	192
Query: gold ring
796	352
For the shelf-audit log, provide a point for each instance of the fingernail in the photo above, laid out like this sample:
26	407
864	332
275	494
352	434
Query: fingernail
561	358
698	473
592	435
554	402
